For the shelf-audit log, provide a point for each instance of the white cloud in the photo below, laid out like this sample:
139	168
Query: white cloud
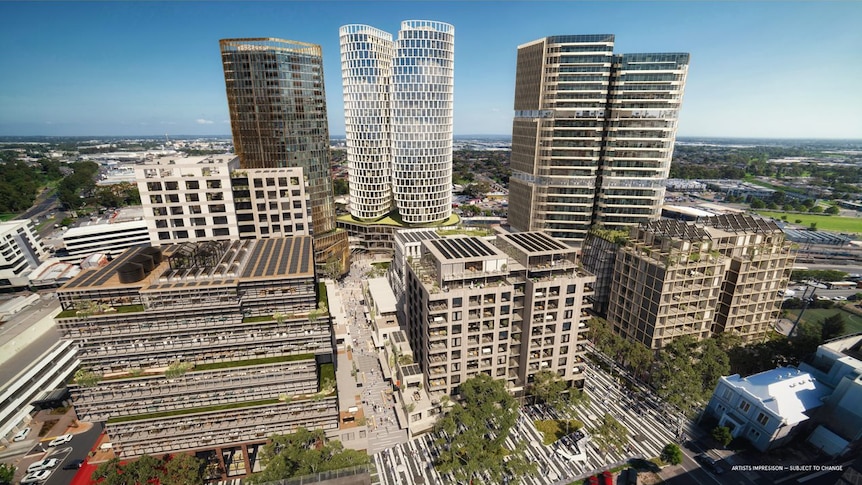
202	121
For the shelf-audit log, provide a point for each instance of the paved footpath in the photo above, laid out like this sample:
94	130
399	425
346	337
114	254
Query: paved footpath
384	429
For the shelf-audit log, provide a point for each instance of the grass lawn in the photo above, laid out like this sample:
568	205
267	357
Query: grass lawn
853	322
824	222
554	429
6	216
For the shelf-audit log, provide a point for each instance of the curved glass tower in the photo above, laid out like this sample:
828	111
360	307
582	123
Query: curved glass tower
366	72
277	104
422	95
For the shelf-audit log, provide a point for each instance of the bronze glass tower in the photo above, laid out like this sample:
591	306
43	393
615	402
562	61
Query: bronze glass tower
277	105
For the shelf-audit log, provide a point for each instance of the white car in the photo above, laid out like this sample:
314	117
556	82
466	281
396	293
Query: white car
21	435
43	465
61	440
36	477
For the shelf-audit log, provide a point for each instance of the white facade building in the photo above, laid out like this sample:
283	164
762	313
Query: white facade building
188	199
209	198
21	251
366	72
412	104
111	235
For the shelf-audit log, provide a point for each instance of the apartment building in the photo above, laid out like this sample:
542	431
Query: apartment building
208	347
190	199
398	101
21	251
718	274
593	134
508	309
277	102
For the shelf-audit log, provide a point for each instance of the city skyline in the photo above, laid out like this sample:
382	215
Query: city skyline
771	70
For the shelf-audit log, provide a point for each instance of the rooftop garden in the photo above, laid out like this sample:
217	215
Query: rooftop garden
89	308
394	220
261	361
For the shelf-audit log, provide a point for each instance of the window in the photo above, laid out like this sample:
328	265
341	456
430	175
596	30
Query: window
762	419
744	406
727	394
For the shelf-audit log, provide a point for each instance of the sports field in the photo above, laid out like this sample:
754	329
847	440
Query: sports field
853	322
824	222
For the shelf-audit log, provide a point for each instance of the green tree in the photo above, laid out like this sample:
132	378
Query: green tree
548	387
610	434
340	186
143	470
722	435
833	326
758	204
7	473
472	434
302	453
712	363
675	378
833	210
182	469
639	359
671	454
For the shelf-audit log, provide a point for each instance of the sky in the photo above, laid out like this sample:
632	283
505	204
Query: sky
758	69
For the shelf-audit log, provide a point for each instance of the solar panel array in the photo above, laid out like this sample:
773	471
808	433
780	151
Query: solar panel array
534	242
463	248
280	257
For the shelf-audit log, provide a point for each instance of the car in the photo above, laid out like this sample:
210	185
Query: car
61	440
36	477
43	465
709	463
607	478
840	298
593	480
74	464
21	435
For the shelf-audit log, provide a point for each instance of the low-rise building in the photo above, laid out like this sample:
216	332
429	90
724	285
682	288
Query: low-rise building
381	304
21	251
767	408
110	235
208	347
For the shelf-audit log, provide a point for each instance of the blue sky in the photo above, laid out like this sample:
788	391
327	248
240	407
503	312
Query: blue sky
771	69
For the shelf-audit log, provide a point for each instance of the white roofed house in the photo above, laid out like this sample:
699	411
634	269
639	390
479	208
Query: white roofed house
382	304
767	408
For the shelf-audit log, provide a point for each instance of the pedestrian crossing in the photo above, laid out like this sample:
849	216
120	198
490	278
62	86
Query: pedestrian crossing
650	428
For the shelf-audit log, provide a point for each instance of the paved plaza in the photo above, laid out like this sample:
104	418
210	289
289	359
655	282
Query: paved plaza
649	431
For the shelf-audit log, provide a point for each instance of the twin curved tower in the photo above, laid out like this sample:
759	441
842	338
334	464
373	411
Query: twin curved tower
398	98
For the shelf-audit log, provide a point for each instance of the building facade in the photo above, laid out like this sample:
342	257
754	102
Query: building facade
508	309
398	102
124	229
277	102
207	198
593	134
202	346
21	251
720	274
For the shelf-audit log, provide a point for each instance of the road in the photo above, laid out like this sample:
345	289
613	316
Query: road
77	449
13	364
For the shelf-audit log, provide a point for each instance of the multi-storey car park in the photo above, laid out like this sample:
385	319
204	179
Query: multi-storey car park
718	274
508	309
201	347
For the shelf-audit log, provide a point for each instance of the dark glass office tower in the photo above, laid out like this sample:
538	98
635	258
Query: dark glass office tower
277	103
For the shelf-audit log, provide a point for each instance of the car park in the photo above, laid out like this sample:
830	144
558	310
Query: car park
43	465
61	440
709	463
36	477
21	435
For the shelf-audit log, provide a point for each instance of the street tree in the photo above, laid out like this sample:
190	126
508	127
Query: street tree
472	434
671	454
7	473
833	326
302	453
722	434
610	434
182	469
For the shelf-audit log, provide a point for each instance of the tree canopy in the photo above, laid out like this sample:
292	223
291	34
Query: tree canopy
180	469
610	434
302	453
672	454
472	434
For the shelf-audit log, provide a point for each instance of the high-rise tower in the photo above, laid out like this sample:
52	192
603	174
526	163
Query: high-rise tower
593	134
398	99
277	103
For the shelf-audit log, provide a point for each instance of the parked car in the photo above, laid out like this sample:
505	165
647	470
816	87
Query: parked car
61	440
43	465
21	435
709	463
36	477
593	480
607	478
74	464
